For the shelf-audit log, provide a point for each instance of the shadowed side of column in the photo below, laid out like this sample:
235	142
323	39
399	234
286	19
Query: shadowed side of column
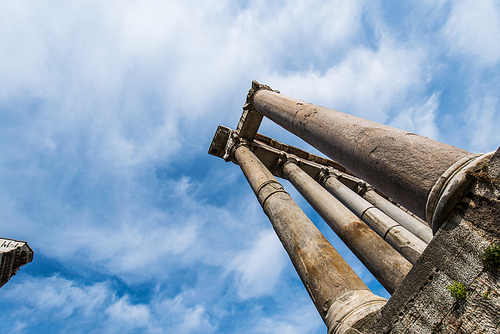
344	302
383	261
406	243
403	165
424	232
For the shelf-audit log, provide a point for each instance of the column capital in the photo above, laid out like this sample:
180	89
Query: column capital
256	86
326	173
225	142
285	158
250	120
451	187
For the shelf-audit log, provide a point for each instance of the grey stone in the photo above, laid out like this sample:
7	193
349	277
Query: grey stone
13	255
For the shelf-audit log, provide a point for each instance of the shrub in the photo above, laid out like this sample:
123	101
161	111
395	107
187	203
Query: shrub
491	257
457	290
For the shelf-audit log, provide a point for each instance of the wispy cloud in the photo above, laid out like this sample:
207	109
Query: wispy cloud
420	119
78	308
473	29
366	82
259	268
107	109
483	117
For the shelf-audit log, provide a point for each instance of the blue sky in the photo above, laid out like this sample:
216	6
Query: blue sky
107	110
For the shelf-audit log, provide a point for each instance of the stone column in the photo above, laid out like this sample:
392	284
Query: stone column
412	224
406	243
403	165
387	265
344	302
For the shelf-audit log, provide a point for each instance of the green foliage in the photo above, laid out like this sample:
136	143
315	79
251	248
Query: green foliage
458	290
491	257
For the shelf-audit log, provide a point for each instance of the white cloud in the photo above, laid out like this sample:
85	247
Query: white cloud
124	234
96	96
483	118
367	83
473	29
259	268
122	311
185	319
420	119
96	309
57	297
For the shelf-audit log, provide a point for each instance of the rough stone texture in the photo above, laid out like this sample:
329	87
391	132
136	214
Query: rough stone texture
405	218
324	273
422	304
13	254
403	165
383	261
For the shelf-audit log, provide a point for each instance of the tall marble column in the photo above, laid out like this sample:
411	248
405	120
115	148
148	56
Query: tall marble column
411	223
405	242
344	302
383	261
403	165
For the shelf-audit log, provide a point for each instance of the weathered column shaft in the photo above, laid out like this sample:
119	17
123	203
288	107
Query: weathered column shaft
340	296
406	243
412	224
403	165
387	265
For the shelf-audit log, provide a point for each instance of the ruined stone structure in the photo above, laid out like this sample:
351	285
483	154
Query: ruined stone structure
422	216
13	255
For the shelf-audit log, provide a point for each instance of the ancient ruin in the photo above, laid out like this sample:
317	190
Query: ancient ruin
13	255
422	216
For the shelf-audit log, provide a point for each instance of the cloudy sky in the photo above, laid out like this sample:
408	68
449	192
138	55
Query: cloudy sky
107	110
